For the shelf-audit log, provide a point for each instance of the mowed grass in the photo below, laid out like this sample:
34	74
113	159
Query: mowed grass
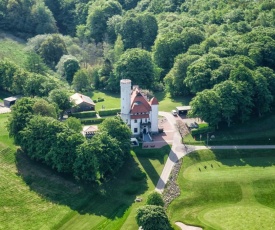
227	189
167	103
260	131
112	100
35	197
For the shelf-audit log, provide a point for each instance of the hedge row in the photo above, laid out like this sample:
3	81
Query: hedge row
98	100
108	112
201	130
86	114
92	121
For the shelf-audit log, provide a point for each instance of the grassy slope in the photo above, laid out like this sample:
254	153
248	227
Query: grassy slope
234	191
12	49
46	200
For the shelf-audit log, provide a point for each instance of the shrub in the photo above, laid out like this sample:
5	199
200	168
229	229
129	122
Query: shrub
100	99
108	112
84	114
155	198
92	121
202	129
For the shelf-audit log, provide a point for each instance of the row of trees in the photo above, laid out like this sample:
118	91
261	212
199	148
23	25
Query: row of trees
244	93
61	146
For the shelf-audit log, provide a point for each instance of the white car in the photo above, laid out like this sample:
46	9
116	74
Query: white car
174	112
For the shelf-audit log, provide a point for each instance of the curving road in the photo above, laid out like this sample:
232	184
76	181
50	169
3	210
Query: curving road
179	150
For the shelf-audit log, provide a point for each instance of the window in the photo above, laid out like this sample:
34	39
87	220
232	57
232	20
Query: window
135	130
135	120
145	120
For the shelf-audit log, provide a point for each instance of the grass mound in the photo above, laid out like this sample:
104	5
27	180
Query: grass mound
227	190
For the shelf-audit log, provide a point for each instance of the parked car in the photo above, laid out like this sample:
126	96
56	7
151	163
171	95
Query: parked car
174	112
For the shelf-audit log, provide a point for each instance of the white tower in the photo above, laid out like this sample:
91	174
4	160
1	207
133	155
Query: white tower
154	115
125	100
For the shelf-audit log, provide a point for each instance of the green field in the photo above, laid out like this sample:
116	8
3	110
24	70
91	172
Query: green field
227	190
111	100
12	49
35	197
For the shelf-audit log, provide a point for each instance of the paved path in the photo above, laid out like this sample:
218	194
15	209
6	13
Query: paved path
179	150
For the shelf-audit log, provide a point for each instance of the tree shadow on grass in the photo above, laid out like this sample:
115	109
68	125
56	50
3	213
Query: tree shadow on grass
237	157
110	199
144	157
251	157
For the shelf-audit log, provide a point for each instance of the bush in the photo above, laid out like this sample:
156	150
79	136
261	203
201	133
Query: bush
100	99
202	129
108	112
92	121
155	198
84	114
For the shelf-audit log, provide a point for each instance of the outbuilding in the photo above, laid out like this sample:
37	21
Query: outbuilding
82	103
9	101
183	110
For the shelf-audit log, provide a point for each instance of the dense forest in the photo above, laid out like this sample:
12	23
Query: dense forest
221	52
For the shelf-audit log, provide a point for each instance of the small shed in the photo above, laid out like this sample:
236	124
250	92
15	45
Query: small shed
182	110
9	101
82	103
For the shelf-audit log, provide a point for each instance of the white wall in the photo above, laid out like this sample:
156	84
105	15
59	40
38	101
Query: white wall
125	99
154	118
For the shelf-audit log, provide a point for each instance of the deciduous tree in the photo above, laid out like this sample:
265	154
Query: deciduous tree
152	217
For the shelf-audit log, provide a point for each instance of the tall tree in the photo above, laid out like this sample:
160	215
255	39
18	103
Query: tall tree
21	114
207	106
117	129
52	49
109	154
229	99
62	99
166	48
86	163
137	65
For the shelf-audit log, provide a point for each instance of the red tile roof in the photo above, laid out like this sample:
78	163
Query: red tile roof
154	101
138	103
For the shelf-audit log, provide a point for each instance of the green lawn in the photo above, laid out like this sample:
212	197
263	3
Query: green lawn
166	103
111	100
258	131
35	197
227	190
12	49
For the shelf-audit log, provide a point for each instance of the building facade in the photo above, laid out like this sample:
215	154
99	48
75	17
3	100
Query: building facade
137	111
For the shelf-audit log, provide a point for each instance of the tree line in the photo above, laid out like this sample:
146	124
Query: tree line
202	49
61	146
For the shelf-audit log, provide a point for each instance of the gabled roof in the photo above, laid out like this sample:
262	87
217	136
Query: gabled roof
79	98
154	101
138	103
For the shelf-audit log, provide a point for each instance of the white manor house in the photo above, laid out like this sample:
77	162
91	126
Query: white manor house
137	111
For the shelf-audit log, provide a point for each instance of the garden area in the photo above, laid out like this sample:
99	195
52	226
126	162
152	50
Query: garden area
229	189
